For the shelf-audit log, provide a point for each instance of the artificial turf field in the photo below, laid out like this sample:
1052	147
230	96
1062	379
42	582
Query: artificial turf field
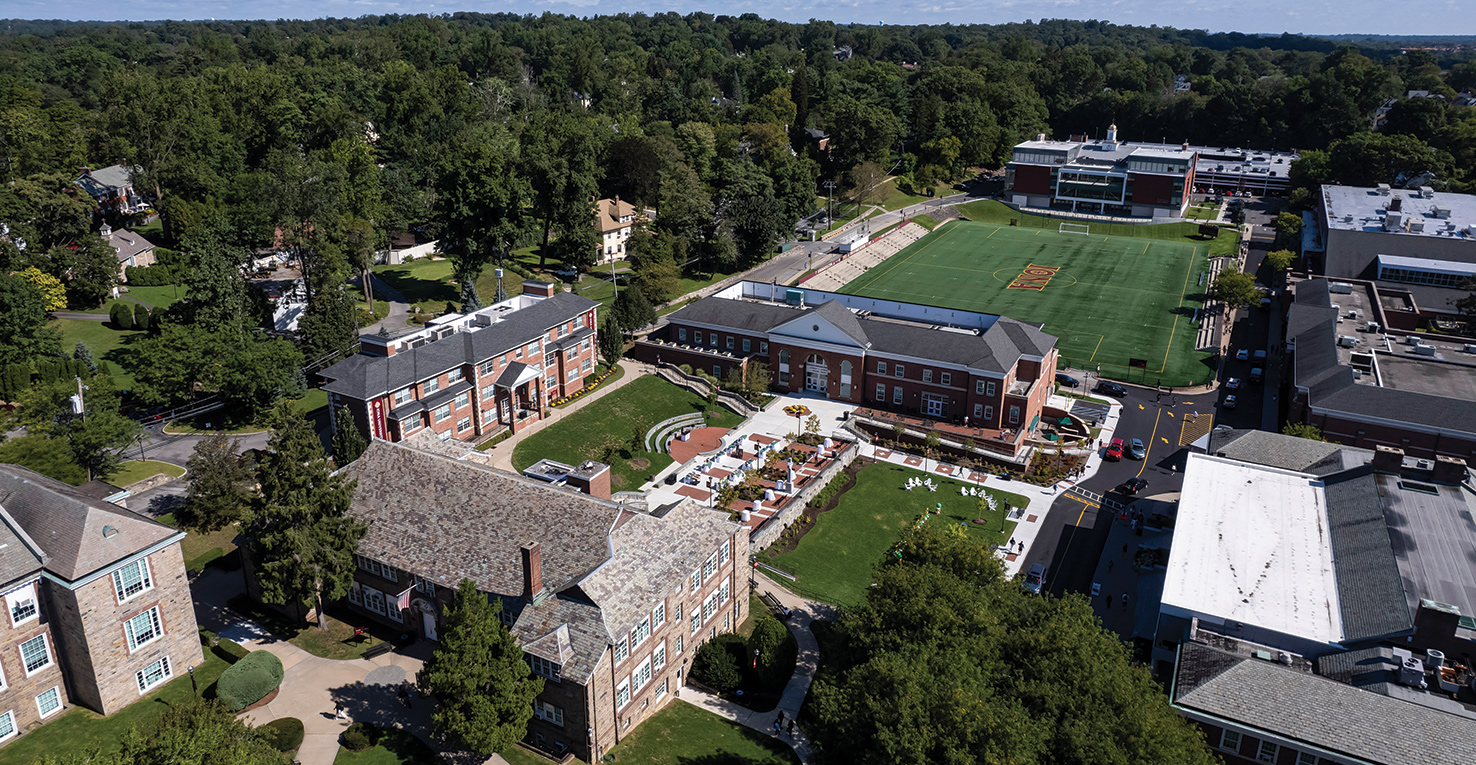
1112	298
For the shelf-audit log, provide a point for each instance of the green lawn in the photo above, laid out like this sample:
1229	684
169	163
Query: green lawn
106	343
517	755
395	747
926	221
201	548
426	283
313	405
990	211
834	560
1202	212
682	734
133	471
160	298
893	198
629	410
78	730
1113	299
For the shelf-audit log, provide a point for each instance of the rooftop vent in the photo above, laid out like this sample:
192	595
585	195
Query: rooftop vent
1427	192
109	532
1383	189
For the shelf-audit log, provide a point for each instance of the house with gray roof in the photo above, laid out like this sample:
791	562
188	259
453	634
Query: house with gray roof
112	189
939	363
608	601
98	604
134	251
470	376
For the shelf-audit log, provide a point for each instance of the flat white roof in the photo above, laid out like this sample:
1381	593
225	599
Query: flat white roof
1359	208
1251	545
1428	264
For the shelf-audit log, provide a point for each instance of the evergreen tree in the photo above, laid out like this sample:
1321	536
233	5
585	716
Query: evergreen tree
611	341
303	538
632	310
348	440
329	323
83	354
484	687
23	316
470	300
220	486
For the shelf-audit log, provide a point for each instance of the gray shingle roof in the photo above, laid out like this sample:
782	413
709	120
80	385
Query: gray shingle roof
746	315
1366	666
20	558
567	630
844	320
78	534
1371	598
365	377
1260	447
128	244
100	181
1315	710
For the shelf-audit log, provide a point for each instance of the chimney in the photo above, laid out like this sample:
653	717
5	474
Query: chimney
1450	470
540	289
1387	459
532	571
1040	136
1185	147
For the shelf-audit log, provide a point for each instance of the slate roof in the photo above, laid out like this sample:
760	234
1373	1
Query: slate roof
73	530
1303	455
365	377
1315	710
1371	597
99	182
745	315
844	320
565	629
20	558
1366	666
128	244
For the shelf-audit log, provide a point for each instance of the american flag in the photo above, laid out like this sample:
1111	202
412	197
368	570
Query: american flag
403	602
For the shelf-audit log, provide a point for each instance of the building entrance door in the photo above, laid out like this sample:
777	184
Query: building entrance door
429	620
815	378
932	405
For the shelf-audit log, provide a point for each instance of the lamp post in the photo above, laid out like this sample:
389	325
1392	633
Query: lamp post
755	658
193	685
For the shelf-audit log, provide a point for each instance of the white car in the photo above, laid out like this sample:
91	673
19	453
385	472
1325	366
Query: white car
1230	402
567	273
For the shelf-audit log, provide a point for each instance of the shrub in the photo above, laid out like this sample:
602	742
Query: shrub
142	318
230	650
686	368
715	666
157	275
360	736
285	733
208	639
249	680
121	314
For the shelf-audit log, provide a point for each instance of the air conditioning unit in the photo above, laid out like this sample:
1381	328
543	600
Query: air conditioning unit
1372	326
1424	464
1352	313
1383	189
1427	192
1358	374
1469	348
1416	226
1424	350
1411	340
1347	341
1442	212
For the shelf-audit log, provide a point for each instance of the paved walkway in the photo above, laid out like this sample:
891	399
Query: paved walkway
802	613
500	456
398	316
77	316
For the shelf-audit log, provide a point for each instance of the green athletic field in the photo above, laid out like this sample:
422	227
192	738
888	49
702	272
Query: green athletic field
1113	298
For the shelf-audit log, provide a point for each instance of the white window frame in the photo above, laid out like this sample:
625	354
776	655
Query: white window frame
19	598
55	691
545	668
641	677
424	585
430	386
899	371
658	616
896	394
454	374
146	580
441	413
622	693
696	580
152	622
1014	414
989	389
730	342
723	592
621	649
696	620
709	567
944	378
46	644
1264	756
382	570
356	594
9	717
404	394
164	669
463	399
658	657
747	345
989	412
725	552
881	367
463	424
979	387
978	411
881	391
1226	737
549	713
1303	758
661	689
927	375
764	347
640	633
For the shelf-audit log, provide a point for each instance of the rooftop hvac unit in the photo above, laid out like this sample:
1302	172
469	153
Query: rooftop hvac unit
1424	350
1352	313
1436	659
1383	189
1358	374
1424	464
1393	221
1340	320
1412	673
1372	326
1347	341
1442	213
1411	340
1348	218
1340	288
1427	192
1396	204
1469	348
1416	226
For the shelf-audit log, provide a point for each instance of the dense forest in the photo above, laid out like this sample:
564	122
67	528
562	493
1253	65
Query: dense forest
493	133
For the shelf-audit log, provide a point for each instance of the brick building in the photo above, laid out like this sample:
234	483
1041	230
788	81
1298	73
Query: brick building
608	601
882	354
98	604
112	189
467	376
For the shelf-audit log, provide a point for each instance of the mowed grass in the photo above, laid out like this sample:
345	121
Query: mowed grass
134	471
1113	299
395	747
834	561
682	734
622	414
106	343
426	283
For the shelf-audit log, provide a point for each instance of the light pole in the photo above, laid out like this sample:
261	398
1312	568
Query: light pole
193	686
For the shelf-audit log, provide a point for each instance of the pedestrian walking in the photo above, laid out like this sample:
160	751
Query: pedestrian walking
791	728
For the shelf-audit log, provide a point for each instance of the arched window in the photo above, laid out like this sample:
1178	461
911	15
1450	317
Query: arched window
784	357
845	381
846	368
815	359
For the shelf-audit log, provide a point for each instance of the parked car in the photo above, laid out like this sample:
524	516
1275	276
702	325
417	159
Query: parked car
1133	485
1136	450
1259	358
1232	383
567	273
1110	388
1034	580
1257	375
1067	380
1242	354
1114	450
1230	402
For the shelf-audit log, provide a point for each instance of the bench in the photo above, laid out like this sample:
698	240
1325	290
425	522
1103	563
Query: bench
379	649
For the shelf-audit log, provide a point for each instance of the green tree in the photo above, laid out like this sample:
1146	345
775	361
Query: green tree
479	203
46	455
612	343
632	311
92	270
82	353
23	315
715	667
302	537
121	314
348	440
561	159
329	324
1288	228
1280	260
1235	289
220	485
755	380
483	686
865	183
1303	430
196	732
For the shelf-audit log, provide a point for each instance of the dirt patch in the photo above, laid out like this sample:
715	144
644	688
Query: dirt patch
267	699
848	480
640	463
616	480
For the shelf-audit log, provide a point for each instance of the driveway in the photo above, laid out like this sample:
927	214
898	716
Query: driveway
399	310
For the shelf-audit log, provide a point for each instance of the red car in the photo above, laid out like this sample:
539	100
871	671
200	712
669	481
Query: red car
1114	450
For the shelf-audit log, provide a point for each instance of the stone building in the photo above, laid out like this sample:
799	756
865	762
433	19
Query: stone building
609	602
99	607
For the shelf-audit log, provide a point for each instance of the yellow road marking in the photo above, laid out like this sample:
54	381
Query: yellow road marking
1140	406
1084	501
1171	414
1150	443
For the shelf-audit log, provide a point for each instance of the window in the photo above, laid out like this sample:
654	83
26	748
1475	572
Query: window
152	675
989	389
1014	415
489	392
488	367
622	648
392	610
978	411
763	347
534	347
35	654
356	594
730	342
7	725
544	667
679	642
658	616
696	620
709	567
881	391
658	657
131	579
697	336
927	375
586	366
1230	740
442	412
641	633
710	607
717	371
454	375
723	591
378	569
881	367
622	693
425	585
661	689
463	424
464	400
747	345
412	424
696	580
1306	758
901	372
641	677
712	338
1268	751
49	702
548	712
979	387
143	629
404	394
432	385
22	605
989	413
374	600
896	394
783	366
945	378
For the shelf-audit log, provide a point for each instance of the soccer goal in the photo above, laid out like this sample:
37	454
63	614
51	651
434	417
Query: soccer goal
1076	228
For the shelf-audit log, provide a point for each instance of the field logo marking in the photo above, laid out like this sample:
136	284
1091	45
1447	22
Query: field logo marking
1033	278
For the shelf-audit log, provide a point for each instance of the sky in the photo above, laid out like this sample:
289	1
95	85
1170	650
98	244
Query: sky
1404	17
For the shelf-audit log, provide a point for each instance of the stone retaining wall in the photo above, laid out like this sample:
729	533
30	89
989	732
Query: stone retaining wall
770	531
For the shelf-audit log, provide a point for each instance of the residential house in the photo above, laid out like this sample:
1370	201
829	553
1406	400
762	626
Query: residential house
614	222
112	189
134	251
608	601
98	603
468	376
